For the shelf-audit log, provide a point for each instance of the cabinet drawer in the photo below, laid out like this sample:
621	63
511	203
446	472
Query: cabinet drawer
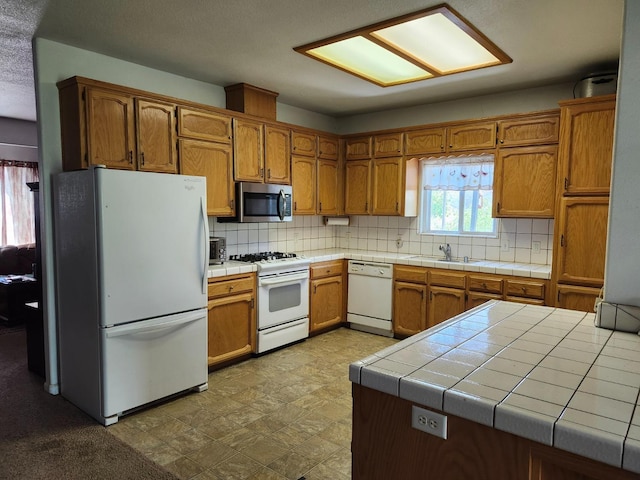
326	269
530	301
447	279
231	286
525	288
410	274
481	283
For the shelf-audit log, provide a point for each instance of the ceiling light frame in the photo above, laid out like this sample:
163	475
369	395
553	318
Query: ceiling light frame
431	71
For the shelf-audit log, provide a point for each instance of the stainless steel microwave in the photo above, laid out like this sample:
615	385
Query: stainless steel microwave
261	202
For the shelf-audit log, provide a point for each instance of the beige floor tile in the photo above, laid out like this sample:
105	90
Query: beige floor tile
278	416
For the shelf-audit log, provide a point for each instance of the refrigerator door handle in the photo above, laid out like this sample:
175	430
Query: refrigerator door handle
140	329
205	225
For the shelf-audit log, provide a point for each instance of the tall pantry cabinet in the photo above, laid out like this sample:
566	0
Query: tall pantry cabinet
584	176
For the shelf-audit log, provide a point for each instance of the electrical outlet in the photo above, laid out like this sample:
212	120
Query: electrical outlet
535	247
429	422
505	245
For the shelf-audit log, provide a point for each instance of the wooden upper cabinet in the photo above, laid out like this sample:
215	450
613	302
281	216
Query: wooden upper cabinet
471	136
357	187
202	125
328	147
387	186
248	150
277	155
110	129
580	240
328	187
425	142
303	185
389	145
524	182
358	148
586	145
156	136
303	144
213	161
529	130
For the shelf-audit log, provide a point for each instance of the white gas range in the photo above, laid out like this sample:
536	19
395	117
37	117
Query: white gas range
283	298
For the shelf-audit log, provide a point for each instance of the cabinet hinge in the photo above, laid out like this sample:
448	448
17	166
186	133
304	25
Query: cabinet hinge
566	183
498	207
253	302
562	240
84	94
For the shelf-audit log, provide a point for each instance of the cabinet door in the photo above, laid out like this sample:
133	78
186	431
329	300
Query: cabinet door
232	327
277	155
110	129
387	186
303	144
474	136
530	130
524	182
409	308
580	246
328	148
586	147
156	124
576	298
328	190
477	298
357	187
202	125
426	141
389	145
326	302
248	151
213	161
444	303
358	148
304	185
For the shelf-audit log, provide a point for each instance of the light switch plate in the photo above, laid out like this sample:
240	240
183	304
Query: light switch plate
430	422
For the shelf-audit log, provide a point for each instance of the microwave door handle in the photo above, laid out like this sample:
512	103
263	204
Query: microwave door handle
281	203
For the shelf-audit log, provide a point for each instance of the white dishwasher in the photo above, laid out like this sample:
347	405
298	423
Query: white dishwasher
369	297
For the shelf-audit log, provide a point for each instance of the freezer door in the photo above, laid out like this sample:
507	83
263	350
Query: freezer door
147	361
152	234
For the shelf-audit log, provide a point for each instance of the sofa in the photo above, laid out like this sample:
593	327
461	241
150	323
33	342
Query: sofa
17	259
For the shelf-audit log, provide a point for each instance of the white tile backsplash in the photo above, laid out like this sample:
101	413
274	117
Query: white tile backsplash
514	243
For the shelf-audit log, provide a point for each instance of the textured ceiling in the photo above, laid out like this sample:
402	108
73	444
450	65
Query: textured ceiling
251	41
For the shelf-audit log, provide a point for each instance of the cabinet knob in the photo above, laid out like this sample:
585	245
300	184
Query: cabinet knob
524	289
484	285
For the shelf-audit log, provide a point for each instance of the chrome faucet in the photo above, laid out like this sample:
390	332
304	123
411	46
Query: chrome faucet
447	251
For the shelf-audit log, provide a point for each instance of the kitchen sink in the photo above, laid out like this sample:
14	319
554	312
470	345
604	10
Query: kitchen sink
439	259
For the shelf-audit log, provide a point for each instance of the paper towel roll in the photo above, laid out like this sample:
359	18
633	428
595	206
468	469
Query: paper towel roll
336	221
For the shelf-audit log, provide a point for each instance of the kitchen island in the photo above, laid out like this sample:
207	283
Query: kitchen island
528	392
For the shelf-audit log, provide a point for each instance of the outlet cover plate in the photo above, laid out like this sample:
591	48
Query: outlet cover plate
430	422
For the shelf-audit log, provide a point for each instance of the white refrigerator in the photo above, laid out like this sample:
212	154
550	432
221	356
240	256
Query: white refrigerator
131	261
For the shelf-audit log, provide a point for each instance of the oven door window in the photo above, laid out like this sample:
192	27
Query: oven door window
282	298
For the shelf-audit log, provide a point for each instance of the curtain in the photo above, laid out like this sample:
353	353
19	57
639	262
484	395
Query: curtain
458	173
17	219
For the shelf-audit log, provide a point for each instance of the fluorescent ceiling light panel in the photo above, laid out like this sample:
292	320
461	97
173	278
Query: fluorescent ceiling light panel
369	60
439	42
418	46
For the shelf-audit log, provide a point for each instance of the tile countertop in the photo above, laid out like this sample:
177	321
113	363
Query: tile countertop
484	266
543	373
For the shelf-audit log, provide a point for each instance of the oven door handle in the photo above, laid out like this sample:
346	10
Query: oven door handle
284	279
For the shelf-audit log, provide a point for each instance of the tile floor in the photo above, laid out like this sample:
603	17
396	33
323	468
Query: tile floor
283	415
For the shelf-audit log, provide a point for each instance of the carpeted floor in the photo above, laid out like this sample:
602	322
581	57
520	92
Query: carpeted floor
43	436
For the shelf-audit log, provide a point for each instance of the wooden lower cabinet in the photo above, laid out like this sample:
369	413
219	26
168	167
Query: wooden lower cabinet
478	298
327	298
444	303
385	447
409	308
231	318
575	297
424	297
